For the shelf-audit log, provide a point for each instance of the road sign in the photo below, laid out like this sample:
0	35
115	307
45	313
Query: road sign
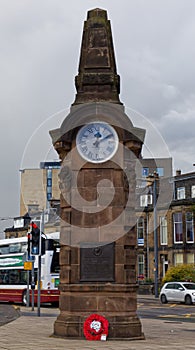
28	265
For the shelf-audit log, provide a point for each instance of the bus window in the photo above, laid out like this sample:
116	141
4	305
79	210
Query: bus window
54	245
1	277
4	276
13	277
55	265
23	247
15	248
4	249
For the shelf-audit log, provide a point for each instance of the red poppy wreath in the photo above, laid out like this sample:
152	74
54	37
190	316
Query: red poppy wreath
95	326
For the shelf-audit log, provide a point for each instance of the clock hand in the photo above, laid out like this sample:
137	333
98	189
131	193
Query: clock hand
106	137
97	136
96	143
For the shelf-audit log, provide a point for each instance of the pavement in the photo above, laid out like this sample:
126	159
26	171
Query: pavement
28	331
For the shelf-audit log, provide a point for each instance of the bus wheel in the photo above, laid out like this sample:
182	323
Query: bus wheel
24	298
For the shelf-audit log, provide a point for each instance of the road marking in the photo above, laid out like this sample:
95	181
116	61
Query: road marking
168	316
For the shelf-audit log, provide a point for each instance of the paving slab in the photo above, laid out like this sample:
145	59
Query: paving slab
33	332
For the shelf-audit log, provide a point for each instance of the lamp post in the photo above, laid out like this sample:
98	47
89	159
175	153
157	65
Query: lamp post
152	181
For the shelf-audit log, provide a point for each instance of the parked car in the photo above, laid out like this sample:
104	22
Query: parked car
183	292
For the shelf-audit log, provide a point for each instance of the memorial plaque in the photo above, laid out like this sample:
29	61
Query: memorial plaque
97	262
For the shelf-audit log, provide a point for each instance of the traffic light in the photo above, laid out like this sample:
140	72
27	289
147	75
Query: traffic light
35	239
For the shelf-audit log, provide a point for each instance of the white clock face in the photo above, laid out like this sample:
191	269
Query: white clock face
97	142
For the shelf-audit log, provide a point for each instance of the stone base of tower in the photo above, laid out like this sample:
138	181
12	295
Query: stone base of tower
120	328
117	303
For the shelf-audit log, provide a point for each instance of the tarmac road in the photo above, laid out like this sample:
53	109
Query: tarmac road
153	309
8	313
148	307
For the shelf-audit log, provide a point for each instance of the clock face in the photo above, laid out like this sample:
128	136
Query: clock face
97	142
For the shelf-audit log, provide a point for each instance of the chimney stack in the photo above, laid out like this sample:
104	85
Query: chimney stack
178	172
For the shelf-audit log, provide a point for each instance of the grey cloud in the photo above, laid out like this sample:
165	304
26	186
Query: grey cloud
40	46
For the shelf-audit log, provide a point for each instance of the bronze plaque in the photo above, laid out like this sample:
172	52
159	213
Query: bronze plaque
97	262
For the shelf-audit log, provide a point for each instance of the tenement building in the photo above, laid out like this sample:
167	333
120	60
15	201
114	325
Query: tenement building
175	227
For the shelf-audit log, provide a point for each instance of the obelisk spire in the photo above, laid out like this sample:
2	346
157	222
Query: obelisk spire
97	79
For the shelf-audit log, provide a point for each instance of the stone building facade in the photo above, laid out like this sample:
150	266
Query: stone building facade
38	187
175	229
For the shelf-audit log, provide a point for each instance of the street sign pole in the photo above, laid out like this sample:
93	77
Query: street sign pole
155	239
28	272
39	269
33	286
39	287
28	289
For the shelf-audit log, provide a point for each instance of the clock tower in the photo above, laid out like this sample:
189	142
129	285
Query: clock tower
99	148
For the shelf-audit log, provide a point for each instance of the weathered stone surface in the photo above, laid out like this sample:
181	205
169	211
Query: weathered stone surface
97	200
97	79
115	302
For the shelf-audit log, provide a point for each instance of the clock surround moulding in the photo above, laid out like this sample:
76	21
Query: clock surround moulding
97	142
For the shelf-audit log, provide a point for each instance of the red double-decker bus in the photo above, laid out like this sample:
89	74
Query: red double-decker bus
14	278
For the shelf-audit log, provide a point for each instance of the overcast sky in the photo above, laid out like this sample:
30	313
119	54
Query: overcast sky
40	46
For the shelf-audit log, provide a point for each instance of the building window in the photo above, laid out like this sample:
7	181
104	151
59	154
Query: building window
140	266
193	191
160	171
49	182
181	193
140	231
145	200
49	196
145	172
189	228
178	257
18	223
178	228
49	193
190	258
49	173
163	230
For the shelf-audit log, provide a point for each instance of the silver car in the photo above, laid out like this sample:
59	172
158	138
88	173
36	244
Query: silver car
183	292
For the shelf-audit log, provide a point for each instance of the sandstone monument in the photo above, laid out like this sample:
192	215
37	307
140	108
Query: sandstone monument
99	148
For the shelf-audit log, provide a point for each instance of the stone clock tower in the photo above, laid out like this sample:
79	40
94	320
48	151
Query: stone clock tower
99	148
